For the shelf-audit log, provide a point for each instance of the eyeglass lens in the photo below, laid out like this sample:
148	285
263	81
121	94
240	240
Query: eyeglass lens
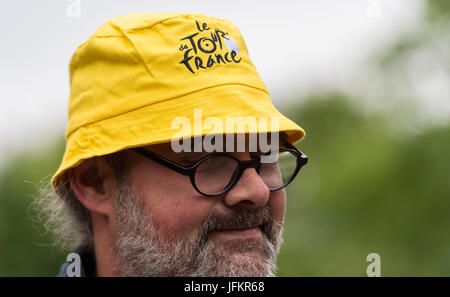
215	174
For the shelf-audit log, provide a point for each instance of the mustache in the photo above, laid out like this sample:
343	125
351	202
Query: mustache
239	219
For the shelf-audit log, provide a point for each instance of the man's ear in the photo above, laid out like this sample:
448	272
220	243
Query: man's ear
93	182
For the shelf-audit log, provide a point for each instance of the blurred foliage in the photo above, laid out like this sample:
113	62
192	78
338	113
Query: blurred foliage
367	188
25	247
437	10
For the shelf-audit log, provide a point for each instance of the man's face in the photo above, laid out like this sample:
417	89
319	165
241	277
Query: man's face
163	226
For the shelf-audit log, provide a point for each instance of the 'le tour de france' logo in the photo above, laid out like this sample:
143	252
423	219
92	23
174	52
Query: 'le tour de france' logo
206	47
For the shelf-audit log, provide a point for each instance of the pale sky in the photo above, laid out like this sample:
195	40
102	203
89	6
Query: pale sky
322	41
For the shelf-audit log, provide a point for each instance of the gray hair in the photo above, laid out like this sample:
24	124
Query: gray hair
62	214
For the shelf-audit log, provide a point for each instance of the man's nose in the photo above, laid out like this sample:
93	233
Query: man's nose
250	191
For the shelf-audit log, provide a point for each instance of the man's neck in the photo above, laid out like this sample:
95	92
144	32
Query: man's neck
104	253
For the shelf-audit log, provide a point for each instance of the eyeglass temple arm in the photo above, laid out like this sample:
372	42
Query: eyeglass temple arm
303	157
163	161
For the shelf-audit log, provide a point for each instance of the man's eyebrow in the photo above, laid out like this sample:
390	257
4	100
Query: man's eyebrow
193	154
190	156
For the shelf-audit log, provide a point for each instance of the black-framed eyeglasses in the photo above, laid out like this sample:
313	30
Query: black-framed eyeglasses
217	173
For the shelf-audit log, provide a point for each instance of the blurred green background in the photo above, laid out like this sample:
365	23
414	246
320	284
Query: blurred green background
378	179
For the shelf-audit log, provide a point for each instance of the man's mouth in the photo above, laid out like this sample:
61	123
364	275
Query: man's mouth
239	233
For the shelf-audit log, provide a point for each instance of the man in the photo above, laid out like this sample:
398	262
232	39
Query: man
168	168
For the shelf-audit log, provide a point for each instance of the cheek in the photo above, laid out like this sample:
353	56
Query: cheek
179	218
174	205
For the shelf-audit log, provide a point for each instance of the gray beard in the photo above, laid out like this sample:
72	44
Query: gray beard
141	251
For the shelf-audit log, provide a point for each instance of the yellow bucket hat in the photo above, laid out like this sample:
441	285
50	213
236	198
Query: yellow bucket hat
139	72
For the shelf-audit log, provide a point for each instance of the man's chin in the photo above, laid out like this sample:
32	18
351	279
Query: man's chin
240	257
250	263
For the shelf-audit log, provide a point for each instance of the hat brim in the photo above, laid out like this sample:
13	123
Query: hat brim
152	124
